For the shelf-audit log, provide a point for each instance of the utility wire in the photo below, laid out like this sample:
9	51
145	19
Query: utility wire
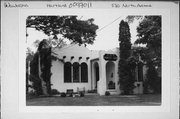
108	24
80	17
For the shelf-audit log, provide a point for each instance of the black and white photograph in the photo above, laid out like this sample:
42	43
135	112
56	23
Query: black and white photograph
89	59
93	61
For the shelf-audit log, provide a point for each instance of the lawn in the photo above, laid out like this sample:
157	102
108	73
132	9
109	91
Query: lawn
96	100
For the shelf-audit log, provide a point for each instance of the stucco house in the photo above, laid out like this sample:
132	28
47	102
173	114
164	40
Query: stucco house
82	69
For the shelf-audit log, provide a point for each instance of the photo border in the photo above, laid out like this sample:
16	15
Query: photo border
13	62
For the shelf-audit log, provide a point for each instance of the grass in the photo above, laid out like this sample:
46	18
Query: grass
96	100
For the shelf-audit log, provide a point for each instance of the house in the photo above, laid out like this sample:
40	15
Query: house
79	68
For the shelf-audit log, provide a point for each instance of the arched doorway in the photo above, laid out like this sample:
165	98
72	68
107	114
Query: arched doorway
110	75
96	75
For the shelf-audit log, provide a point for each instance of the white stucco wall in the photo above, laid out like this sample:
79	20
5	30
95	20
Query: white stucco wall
94	64
103	80
57	69
139	88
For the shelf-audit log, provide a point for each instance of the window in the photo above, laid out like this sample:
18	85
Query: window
67	72
75	72
84	72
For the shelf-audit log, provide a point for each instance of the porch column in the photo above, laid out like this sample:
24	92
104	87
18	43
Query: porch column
102	74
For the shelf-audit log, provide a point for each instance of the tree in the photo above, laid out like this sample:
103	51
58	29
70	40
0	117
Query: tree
154	81
29	58
34	75
58	43
125	75
78	31
36	43
40	69
130	19
149	33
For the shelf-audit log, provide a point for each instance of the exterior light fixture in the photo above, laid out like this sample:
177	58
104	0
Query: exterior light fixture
72	57
80	58
87	58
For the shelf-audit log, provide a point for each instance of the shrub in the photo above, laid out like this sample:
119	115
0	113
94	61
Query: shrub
69	92
54	92
31	94
92	91
81	94
153	80
107	93
63	94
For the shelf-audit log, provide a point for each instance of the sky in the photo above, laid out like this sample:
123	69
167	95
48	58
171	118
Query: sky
107	34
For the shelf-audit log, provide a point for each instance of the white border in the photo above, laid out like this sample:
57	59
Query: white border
165	106
12	108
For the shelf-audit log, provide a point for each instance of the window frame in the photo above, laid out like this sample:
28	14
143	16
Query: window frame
84	72
68	72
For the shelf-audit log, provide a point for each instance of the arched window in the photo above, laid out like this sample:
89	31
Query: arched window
75	72
84	72
67	72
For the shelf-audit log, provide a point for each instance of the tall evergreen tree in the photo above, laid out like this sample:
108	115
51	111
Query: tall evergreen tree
125	75
41	69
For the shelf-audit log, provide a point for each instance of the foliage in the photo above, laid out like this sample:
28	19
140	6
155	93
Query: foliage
59	43
63	94
44	53
30	94
29	58
36	43
126	78
34	77
154	82
131	62
149	33
92	91
77	31
125	73
107	93
54	92
130	19
29	54
81	94
125	41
